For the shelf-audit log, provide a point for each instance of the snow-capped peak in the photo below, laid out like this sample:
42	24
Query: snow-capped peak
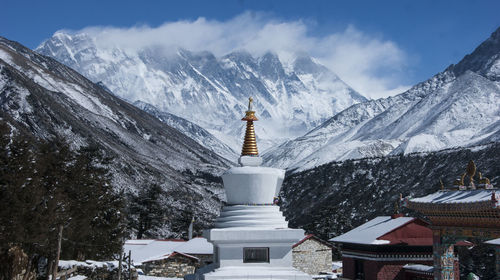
291	98
457	107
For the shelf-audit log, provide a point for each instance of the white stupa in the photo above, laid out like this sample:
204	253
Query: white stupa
251	237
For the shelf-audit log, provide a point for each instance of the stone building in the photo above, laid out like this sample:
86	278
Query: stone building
312	255
169	257
175	265
198	247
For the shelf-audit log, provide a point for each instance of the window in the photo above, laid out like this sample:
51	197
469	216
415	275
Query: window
256	255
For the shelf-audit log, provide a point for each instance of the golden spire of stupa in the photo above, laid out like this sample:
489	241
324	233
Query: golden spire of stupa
250	143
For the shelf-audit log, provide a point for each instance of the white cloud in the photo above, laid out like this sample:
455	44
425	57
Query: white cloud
370	64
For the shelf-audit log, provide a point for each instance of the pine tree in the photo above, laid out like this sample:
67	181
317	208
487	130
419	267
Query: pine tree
146	214
43	184
95	229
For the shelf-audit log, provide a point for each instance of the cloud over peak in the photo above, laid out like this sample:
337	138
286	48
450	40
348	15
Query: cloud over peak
370	64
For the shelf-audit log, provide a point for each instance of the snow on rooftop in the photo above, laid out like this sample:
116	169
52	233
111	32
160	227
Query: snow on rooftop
148	250
154	249
139	241
465	196
494	242
196	246
419	267
368	232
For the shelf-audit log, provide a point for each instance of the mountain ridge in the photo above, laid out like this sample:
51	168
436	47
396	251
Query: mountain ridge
212	92
50	100
426	117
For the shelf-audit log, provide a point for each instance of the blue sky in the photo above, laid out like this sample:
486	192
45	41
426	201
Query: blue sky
423	36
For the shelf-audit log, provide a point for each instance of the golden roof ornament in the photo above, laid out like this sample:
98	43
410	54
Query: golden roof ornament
483	180
460	182
471	172
250	142
397	213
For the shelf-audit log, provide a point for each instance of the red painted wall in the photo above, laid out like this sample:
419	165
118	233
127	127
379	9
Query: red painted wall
348	268
411	276
377	270
413	233
394	270
371	270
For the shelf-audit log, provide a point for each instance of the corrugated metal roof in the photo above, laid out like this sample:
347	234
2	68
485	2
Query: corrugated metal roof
368	232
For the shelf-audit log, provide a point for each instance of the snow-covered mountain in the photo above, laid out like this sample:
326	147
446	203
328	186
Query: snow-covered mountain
457	107
48	99
192	130
290	97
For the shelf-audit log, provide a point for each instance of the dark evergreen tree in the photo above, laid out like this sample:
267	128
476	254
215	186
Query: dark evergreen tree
43	184
95	228
146	213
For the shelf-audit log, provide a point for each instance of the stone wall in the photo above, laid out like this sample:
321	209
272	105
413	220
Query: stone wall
312	257
175	266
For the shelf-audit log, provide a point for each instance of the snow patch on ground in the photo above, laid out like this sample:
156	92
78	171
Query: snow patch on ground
78	277
145	277
88	263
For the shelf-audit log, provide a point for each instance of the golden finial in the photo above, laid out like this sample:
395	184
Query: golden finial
250	142
483	180
396	207
442	185
460	182
471	171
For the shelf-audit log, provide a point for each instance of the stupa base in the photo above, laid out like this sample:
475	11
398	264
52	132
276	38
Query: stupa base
256	273
230	244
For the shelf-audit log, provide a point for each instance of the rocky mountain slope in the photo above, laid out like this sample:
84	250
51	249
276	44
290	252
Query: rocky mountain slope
458	107
291	98
192	130
335	197
50	100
